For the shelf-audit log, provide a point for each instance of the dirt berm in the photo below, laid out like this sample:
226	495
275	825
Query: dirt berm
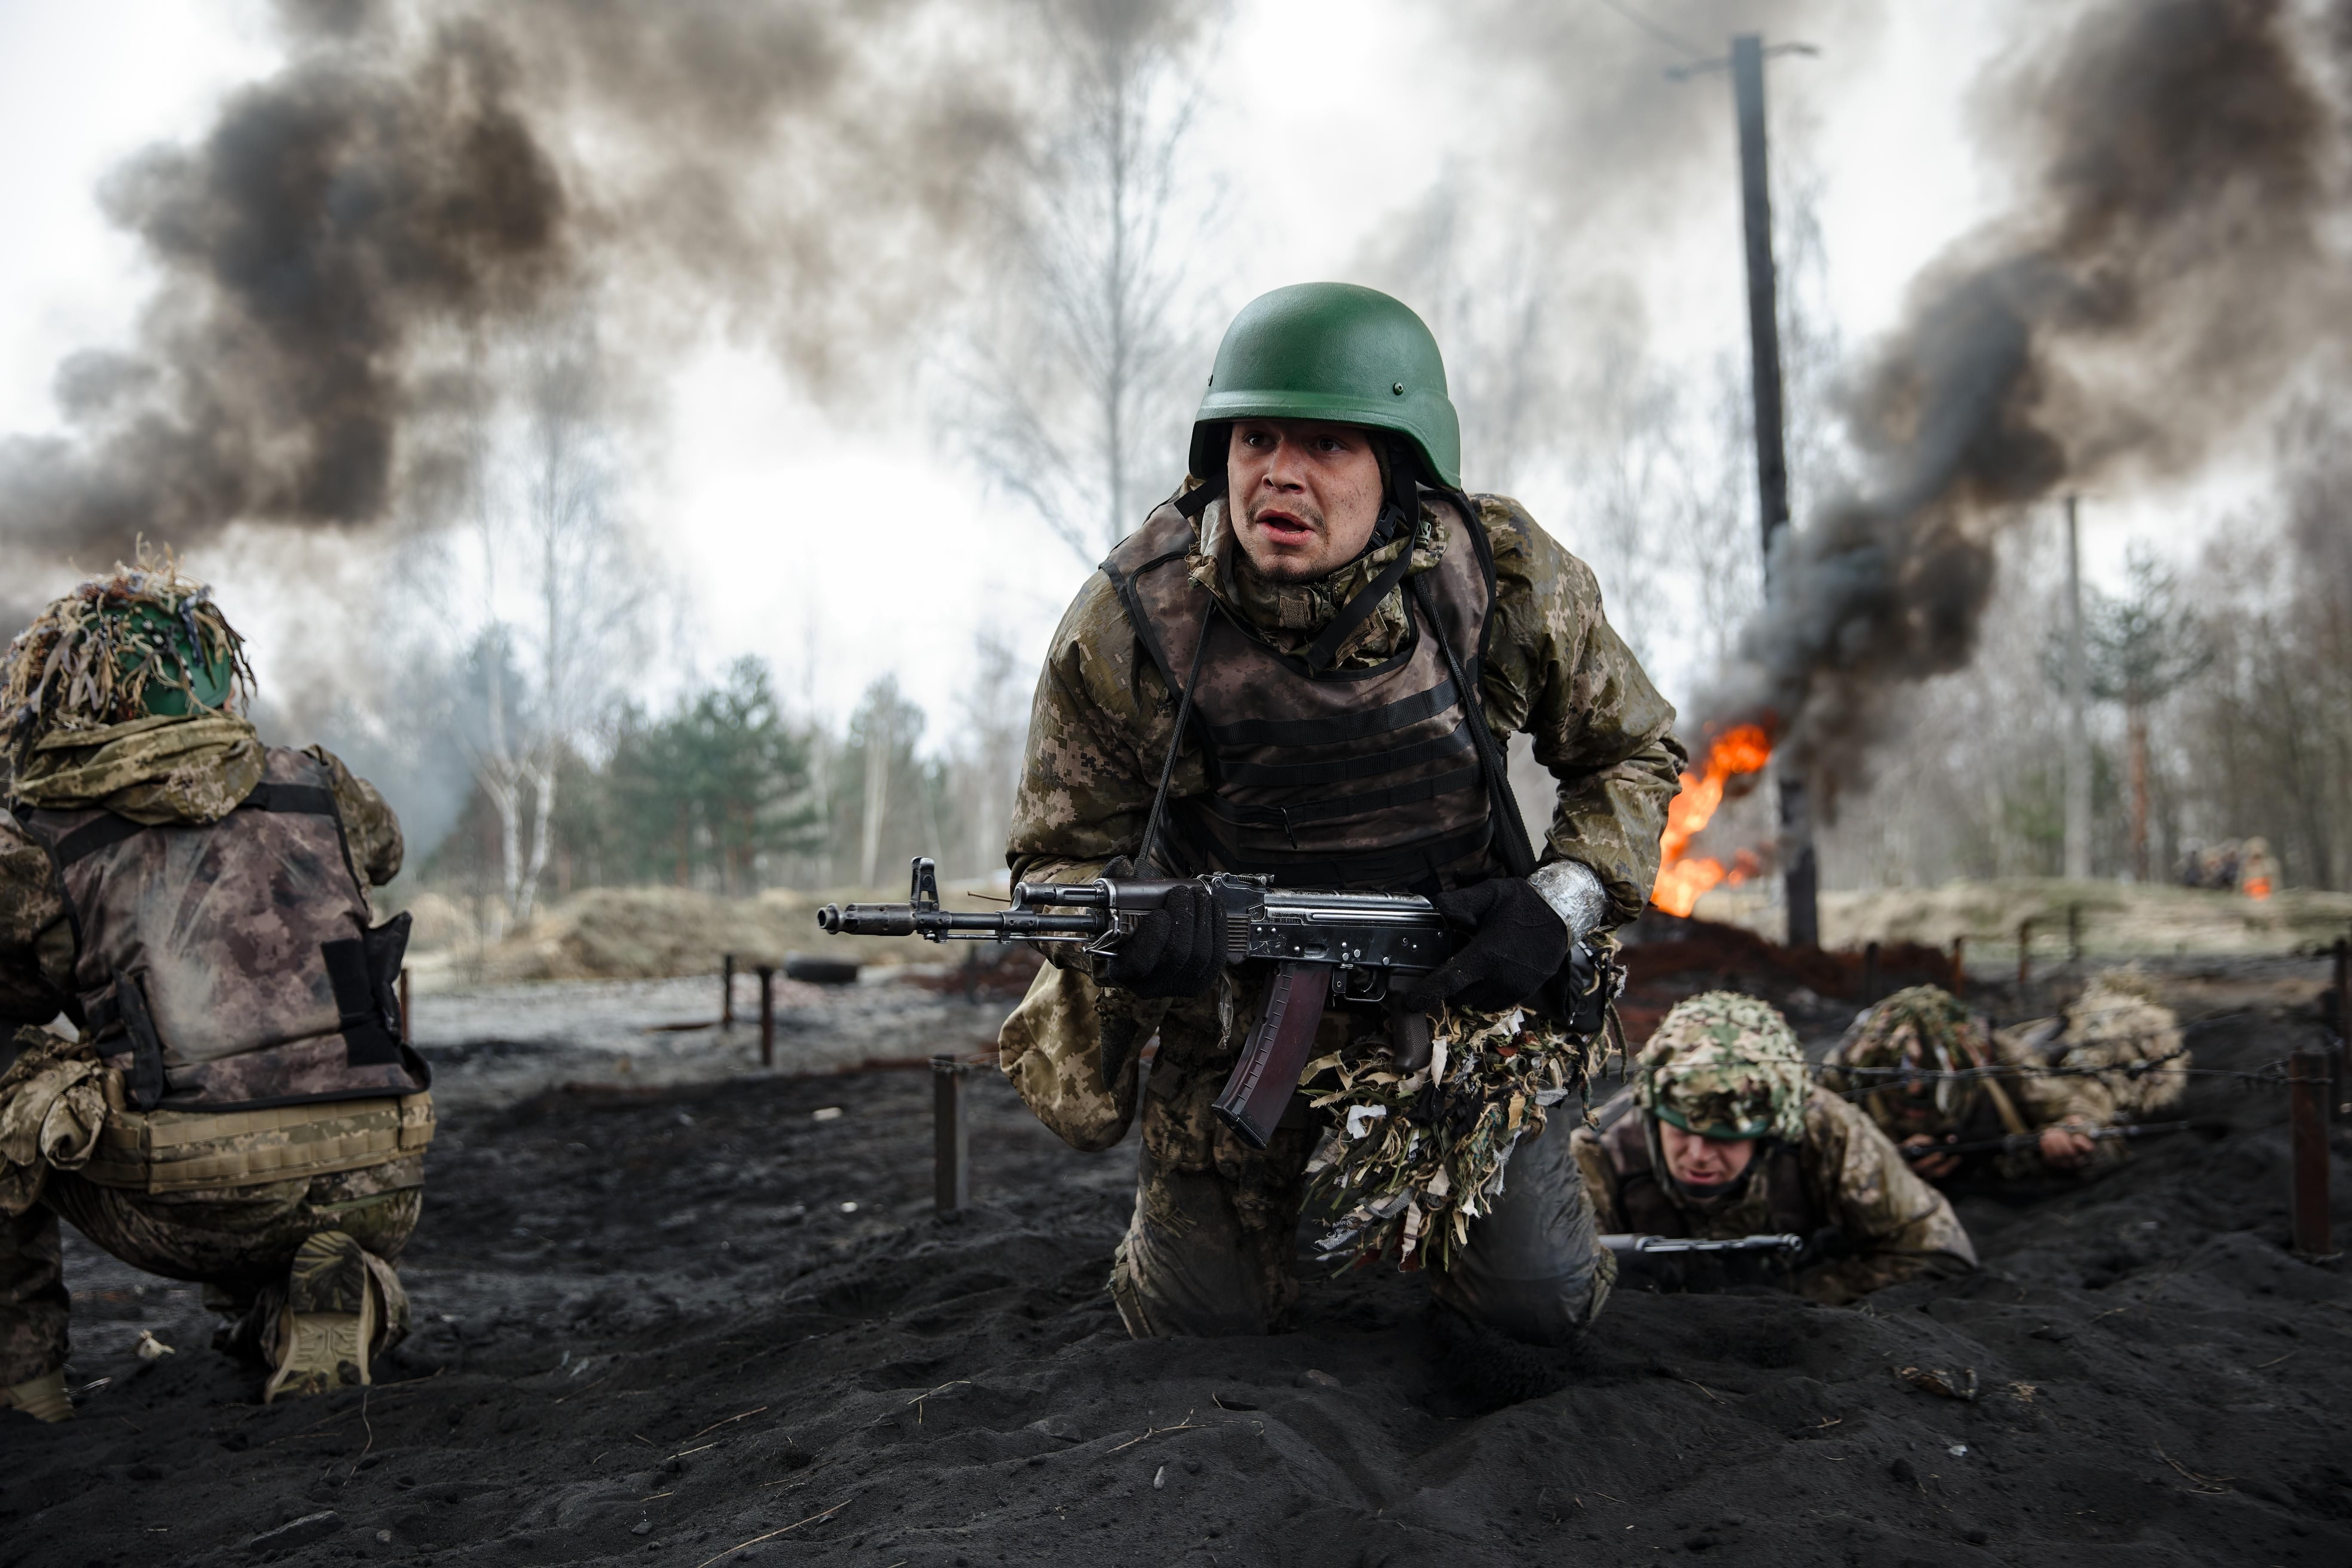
655	1329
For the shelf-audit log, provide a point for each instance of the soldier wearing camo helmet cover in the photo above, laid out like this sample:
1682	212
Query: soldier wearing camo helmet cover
1913	1062
206	1076
1721	1134
1318	592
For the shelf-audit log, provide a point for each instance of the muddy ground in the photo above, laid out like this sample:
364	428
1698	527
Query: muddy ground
709	1321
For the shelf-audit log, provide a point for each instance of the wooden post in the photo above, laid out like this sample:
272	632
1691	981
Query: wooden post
1959	965
404	1002
951	1138
2074	934
727	992
1869	973
2342	1093
2024	959
2307	1117
767	973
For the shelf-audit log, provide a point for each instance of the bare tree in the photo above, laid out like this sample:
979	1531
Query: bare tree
563	592
1076	377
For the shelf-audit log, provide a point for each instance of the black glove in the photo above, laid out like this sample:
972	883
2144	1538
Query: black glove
1174	950
1519	944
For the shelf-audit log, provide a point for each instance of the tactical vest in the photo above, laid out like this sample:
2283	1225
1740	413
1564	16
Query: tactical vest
231	964
1648	1209
1363	779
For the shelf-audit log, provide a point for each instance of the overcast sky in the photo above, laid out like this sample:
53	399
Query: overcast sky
1326	117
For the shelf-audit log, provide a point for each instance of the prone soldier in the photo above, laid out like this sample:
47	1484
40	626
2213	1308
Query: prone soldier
235	1107
1930	1074
1721	1135
1274	676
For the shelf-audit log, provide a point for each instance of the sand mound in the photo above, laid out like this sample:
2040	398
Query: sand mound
2118	919
656	934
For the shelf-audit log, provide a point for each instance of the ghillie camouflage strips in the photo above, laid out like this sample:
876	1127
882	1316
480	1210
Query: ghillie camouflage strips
89	660
1726	1065
1416	1157
2118	1025
1923	1026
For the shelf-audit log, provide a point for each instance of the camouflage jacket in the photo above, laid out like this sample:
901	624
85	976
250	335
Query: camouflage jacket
144	762
1892	1225
1554	670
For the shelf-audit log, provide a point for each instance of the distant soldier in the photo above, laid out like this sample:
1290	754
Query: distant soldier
1918	1062
1720	1135
235	1107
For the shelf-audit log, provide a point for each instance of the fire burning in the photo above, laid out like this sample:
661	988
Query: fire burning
1742	749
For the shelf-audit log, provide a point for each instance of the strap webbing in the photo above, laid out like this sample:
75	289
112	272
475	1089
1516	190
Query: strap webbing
1510	831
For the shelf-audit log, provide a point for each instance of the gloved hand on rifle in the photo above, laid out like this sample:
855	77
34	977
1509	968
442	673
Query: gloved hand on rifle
1522	929
1175	950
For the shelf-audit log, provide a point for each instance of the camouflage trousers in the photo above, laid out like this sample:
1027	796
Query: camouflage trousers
238	1243
1211	1249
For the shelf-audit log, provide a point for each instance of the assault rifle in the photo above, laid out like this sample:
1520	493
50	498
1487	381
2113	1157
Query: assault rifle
1624	1245
1327	948
2011	1143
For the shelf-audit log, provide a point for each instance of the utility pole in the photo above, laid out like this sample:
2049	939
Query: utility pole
2078	735
1801	872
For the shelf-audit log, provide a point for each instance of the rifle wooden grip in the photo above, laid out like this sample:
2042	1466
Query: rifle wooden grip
1268	1075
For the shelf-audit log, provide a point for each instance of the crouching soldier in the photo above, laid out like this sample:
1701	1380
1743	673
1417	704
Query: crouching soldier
236	1108
1932	1076
1720	1136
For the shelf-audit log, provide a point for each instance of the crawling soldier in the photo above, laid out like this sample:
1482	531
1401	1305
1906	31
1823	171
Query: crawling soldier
1720	1135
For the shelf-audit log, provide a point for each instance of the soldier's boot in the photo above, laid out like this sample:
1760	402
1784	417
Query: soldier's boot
43	1398
329	1321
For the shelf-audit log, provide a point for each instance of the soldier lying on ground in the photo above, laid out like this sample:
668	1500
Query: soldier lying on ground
235	1106
1720	1135
1310	592
1896	1059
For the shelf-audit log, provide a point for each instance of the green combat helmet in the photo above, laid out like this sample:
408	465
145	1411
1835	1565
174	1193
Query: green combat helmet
1725	1065
1334	352
142	642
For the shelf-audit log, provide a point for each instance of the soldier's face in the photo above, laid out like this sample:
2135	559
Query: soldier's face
1304	496
1699	1162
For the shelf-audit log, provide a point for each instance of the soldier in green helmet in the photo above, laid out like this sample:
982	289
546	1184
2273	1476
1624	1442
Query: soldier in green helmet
1322	596
1721	1135
205	1075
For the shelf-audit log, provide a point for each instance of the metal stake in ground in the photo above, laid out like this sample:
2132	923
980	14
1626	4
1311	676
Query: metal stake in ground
727	992
951	1138
2025	960
767	973
1959	965
2307	1120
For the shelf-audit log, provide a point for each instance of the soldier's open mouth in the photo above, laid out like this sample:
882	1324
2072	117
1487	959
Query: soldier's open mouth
1285	528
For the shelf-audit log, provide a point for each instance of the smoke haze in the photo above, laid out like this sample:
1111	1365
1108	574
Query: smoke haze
2164	279
346	248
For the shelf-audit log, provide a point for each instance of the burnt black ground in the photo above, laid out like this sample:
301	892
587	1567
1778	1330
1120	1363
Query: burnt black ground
649	1332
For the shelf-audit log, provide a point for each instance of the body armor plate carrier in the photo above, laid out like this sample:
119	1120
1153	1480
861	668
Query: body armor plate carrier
232	965
1343	778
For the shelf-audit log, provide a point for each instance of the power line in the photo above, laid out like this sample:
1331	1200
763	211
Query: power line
1663	35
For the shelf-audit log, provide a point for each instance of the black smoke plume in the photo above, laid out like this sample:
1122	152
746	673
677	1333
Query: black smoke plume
344	250
2163	280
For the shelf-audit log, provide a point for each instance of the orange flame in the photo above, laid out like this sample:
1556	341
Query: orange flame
1742	749
2259	887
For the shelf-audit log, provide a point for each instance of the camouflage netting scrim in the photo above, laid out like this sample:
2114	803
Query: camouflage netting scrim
91	660
1726	1065
1416	1157
2118	1025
